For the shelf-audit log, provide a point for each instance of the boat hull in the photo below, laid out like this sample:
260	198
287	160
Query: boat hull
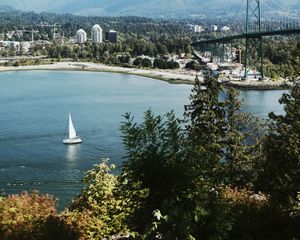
72	141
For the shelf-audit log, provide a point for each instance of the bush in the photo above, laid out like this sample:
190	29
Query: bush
125	59
79	225
138	61
16	64
142	62
24	216
165	64
104	210
146	62
193	66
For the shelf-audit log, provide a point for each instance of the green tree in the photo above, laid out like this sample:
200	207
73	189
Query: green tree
154	162
146	62
207	128
280	172
193	66
107	212
138	62
241	143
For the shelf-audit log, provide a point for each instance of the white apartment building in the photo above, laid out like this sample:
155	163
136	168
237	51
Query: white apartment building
225	29
97	34
81	36
214	28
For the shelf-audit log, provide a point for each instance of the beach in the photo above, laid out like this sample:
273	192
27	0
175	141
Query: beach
172	76
177	76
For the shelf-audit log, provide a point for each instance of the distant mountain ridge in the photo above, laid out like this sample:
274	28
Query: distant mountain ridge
6	8
149	8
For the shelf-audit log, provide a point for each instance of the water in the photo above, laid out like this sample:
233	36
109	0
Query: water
34	107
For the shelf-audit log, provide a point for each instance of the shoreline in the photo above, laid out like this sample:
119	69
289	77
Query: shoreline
259	85
170	76
173	77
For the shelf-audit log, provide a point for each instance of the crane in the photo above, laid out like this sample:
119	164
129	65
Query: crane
30	31
55	26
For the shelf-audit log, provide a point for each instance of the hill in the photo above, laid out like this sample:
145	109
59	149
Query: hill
150	8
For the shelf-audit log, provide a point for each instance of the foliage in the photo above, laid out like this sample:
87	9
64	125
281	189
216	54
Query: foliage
24	216
210	151
193	65
209	176
282	58
105	212
142	62
154	160
242	141
165	64
280	171
206	129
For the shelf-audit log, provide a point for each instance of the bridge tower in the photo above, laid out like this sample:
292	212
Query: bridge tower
254	49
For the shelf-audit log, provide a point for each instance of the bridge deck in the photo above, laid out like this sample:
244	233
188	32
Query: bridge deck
249	35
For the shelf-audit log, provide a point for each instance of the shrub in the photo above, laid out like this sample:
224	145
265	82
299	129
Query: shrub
16	64
193	66
138	61
81	225
146	62
23	216
165	64
104	211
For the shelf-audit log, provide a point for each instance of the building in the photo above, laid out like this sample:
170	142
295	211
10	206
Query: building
23	47
195	28
81	36
214	28
97	34
112	36
225	29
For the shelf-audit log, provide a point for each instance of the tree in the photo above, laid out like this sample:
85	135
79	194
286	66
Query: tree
207	128
138	61
155	163
165	64
280	171
106	211
24	216
193	66
124	59
241	143
146	62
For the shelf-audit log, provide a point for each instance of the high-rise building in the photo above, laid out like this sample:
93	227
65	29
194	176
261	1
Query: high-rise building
97	34
81	36
112	36
196	28
214	28
225	29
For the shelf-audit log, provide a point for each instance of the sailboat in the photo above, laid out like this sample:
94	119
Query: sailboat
73	138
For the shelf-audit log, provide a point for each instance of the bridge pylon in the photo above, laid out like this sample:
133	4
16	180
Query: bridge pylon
254	48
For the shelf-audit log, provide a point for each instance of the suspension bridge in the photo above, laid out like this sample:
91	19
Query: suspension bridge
263	18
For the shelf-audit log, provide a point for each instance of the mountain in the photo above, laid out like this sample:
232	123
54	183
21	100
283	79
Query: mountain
131	7
6	8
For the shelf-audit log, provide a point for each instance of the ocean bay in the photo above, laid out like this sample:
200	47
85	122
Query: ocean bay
34	107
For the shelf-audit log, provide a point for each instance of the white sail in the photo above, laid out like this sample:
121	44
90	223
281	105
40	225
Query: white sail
73	138
72	131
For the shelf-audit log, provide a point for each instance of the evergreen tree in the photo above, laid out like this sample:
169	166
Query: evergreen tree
206	143
153	162
241	143
280	174
206	129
